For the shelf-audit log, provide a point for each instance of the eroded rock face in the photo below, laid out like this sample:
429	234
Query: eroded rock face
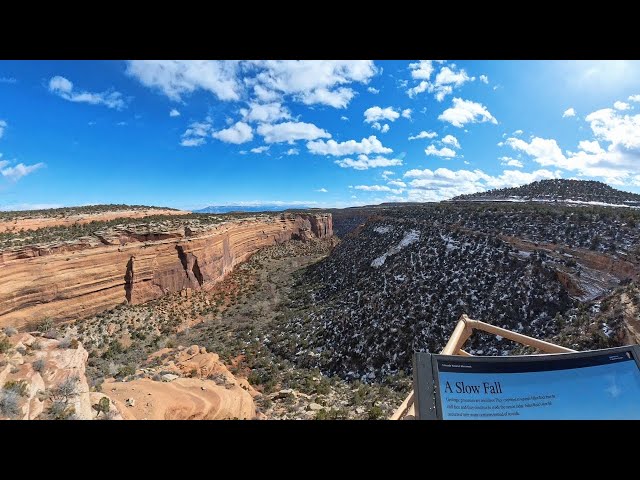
70	282
43	365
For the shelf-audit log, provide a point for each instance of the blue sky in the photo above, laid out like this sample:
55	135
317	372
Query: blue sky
188	134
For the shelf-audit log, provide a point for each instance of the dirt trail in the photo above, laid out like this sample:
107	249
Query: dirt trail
631	320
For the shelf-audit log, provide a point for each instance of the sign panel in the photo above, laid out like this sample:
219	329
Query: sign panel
601	384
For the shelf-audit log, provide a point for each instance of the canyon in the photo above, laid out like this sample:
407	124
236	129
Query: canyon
75	279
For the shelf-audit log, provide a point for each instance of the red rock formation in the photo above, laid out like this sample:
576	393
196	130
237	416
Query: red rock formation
73	281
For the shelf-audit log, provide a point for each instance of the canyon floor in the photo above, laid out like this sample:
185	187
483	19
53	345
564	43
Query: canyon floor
232	320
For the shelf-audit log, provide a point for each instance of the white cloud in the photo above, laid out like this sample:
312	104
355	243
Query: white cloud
8	80
484	79
421	70
193	142
176	78
18	171
174	113
451	140
314	81
442	183
447	79
382	128
443	152
292	151
261	149
375	114
590	147
386	174
511	162
331	147
406	113
63	88
364	163
290	132
91	123
621	106
378	188
397	183
239	133
122	124
196	134
322	190
517	132
264	112
424	134
3	125
569	112
614	154
634	98
29	206
346	119
466	111
375	91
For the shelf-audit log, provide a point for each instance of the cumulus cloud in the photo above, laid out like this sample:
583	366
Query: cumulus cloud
383	128
569	112
621	106
8	80
366	146
451	140
239	133
378	188
261	149
424	134
397	183
442	183
613	154
63	88
517	132
466	111
322	190
634	98
511	162
448	78
290	132
375	91
175	78
442	152
344	118
264	112
484	79
3	125
386	174
292	151
364	163
314	81
196	134
16	172
375	114
406	113
174	113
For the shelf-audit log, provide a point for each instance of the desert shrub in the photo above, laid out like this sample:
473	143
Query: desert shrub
74	344
5	345
52	334
103	406
17	386
127	370
10	331
66	389
36	345
59	410
375	413
39	365
9	403
44	325
68	342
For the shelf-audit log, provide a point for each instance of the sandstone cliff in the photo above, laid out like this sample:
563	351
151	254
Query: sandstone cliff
74	280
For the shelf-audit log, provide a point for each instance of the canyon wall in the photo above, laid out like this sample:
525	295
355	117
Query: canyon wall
77	280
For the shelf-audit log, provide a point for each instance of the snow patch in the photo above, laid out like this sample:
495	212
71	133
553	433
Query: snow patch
383	230
410	237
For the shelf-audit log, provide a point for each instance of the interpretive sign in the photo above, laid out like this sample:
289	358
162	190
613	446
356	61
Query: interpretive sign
599	384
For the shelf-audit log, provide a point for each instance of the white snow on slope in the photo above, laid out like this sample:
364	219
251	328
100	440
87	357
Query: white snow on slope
410	237
383	230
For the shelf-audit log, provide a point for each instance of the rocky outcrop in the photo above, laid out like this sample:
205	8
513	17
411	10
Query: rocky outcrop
211	392
46	371
70	282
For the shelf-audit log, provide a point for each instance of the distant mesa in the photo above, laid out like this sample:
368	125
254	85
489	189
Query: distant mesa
250	208
560	190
